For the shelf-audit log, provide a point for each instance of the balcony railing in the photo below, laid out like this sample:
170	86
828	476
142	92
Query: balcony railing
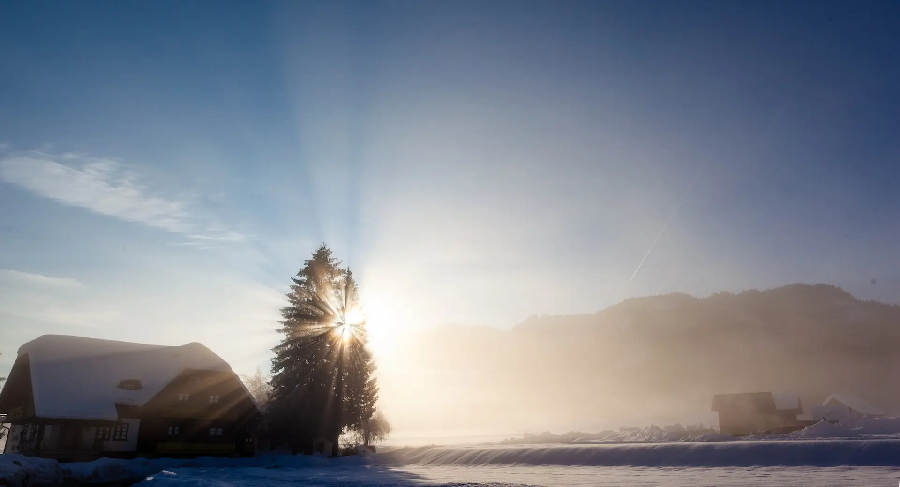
190	412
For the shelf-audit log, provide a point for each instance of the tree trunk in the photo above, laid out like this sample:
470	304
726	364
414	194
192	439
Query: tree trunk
338	403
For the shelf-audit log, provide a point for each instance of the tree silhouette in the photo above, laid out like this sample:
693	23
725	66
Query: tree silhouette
322	371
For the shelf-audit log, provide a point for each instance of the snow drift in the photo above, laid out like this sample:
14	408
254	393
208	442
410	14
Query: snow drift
851	428
822	453
21	471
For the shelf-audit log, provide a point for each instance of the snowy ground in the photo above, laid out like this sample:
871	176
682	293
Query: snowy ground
755	463
822	455
521	475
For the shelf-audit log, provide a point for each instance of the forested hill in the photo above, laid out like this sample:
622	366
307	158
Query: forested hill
661	358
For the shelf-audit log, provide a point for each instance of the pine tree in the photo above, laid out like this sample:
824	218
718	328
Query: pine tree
322	371
303	368
361	389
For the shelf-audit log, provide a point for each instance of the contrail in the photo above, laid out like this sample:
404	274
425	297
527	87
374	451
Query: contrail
660	234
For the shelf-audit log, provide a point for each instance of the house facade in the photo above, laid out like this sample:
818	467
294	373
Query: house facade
758	412
74	398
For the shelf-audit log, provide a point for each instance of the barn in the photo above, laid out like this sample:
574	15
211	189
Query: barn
74	398
758	412
841	407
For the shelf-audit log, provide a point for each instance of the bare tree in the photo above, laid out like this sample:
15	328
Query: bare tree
258	386
374	430
377	428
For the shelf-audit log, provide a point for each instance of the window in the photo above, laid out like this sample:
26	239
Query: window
193	378
184	397
121	432
213	399
104	432
130	385
209	380
215	432
173	430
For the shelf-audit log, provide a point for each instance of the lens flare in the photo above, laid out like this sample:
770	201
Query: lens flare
354	317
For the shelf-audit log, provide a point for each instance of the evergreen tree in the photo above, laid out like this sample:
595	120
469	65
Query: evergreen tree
322	371
361	390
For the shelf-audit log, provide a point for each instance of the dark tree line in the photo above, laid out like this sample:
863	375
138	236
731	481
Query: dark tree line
322	374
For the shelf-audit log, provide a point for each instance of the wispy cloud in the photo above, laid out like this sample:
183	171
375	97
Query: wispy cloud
27	278
105	186
211	240
59	300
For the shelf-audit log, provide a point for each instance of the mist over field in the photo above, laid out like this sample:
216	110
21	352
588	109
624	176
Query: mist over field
646	360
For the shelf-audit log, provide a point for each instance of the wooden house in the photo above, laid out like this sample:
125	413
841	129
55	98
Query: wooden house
758	412
73	398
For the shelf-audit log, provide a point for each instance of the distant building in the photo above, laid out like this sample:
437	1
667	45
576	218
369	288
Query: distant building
74	398
758	412
838	407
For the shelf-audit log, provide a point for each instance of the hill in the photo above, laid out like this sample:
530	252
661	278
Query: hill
657	359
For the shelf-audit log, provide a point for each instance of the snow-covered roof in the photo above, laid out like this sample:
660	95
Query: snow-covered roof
855	403
786	401
78	378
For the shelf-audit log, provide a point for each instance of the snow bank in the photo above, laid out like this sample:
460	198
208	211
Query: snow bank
654	434
851	428
21	471
854	402
650	434
823	453
859	428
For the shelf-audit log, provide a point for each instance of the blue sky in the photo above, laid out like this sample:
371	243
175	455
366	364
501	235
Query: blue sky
167	166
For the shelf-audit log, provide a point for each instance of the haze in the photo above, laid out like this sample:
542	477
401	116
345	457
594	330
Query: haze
166	167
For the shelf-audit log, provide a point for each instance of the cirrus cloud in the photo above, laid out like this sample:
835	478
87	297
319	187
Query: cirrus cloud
27	278
107	187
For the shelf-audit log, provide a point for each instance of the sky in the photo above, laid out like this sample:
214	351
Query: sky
166	167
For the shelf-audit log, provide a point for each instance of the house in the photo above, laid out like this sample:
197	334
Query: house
838	407
758	412
74	398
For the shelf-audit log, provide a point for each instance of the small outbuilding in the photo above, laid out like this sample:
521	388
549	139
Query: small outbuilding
758	412
838	407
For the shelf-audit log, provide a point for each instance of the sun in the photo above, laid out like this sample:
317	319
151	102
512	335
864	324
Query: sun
344	328
354	317
346	332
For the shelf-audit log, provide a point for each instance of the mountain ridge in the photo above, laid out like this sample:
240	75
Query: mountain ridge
660	359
